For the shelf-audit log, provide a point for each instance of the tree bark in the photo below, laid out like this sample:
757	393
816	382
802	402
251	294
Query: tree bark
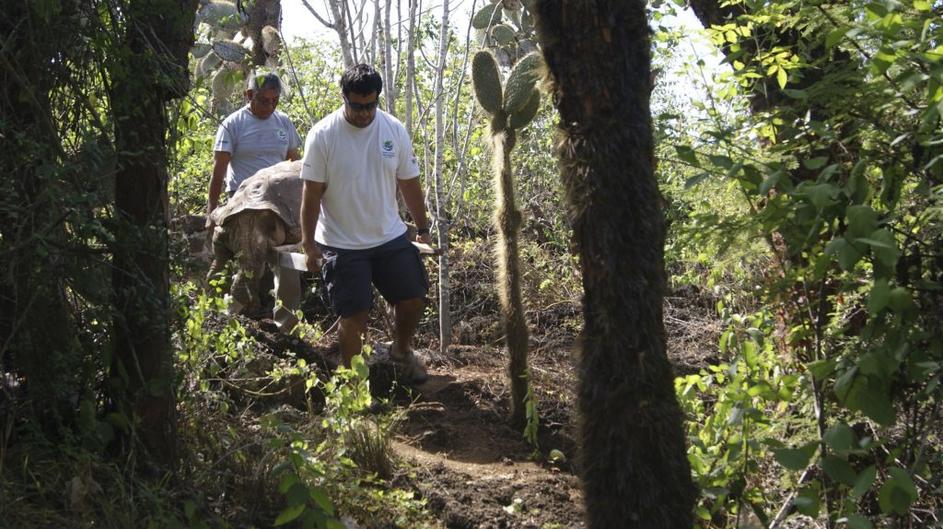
159	33
633	462
262	13
445	310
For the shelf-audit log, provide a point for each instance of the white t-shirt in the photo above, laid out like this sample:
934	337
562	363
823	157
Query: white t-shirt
360	167
254	143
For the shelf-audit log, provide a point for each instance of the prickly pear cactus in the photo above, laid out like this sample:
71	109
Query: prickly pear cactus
221	54
521	82
486	81
523	116
511	107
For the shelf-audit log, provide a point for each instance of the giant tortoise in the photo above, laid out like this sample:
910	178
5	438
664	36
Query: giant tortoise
263	213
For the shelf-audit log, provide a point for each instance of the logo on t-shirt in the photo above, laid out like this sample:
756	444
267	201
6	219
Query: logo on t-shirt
282	135
388	149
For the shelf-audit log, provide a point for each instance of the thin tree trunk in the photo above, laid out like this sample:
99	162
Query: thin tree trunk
410	66
387	50
340	27
442	223
634	467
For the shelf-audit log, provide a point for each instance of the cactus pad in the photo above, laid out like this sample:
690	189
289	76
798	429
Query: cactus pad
490	14
525	115
486	81
521	82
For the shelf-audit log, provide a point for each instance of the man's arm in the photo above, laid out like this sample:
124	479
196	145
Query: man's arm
310	209
220	165
415	203
293	155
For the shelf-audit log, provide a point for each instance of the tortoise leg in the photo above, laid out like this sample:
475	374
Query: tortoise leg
222	254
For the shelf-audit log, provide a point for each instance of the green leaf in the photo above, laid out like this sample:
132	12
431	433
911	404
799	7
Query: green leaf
695	180
286	482
864	481
856	521
900	299
815	163
897	493
834	37
359	366
870	396
795	458
839	470
289	514
687	154
322	500
821	195
821	369
843	251
808	502
884	246
879	297
862	220
839	437
721	161
782	78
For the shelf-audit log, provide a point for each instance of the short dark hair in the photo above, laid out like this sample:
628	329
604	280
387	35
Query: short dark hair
361	79
263	81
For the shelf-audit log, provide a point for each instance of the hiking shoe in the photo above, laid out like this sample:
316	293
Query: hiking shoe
412	368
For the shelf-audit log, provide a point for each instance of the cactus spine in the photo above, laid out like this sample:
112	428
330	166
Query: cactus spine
494	99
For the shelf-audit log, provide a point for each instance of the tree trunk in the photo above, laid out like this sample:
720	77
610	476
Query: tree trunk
633	463
410	67
159	33
262	13
445	314
507	219
340	27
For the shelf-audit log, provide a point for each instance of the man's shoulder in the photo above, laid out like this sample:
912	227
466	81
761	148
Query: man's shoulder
282	118
327	123
391	120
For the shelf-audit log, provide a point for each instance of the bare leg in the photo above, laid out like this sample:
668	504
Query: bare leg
407	314
351	331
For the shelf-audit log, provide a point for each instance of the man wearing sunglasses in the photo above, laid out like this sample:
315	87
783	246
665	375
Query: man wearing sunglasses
355	160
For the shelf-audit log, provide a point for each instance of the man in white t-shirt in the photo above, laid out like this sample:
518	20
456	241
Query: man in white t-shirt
252	138
355	160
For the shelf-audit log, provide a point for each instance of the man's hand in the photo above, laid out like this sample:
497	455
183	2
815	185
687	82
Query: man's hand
425	238
313	257
209	223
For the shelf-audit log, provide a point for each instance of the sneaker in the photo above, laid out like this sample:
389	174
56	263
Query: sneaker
412	368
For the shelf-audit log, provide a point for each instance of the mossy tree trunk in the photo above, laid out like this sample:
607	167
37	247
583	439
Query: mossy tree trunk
152	72
633	463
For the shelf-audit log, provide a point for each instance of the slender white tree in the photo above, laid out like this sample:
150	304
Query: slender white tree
442	223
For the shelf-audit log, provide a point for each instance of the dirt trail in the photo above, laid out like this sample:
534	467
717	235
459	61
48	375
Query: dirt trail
476	471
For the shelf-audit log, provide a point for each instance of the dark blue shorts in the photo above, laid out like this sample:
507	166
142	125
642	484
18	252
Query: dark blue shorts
395	268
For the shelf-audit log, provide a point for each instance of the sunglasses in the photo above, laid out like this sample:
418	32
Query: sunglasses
363	107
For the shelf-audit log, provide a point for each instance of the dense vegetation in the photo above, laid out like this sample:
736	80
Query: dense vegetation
802	182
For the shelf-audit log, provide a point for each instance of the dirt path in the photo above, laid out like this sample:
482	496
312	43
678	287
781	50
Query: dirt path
475	471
